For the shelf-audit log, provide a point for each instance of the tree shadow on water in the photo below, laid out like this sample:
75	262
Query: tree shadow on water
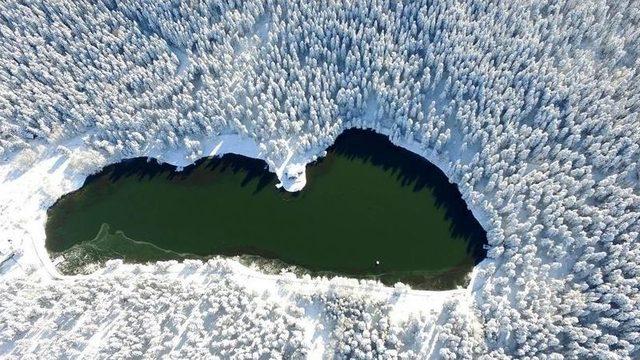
413	170
141	168
251	168
202	171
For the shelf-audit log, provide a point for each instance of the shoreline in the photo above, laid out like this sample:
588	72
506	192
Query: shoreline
49	178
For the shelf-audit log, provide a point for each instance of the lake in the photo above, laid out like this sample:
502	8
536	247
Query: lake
370	210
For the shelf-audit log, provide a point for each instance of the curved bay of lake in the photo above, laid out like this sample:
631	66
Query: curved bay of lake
370	210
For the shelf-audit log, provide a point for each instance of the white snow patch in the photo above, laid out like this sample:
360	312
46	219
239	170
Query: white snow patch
293	177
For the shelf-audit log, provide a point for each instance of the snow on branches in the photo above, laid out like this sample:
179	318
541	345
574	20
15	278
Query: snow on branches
532	106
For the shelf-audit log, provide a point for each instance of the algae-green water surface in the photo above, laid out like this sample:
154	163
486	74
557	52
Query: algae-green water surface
367	201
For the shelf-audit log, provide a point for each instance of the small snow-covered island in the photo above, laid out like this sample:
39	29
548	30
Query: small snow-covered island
316	180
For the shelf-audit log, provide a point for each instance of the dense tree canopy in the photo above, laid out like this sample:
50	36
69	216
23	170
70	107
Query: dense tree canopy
531	105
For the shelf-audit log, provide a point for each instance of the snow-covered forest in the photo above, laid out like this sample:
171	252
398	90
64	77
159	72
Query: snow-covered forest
531	107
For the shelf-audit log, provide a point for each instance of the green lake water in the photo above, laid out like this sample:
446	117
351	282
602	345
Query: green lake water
366	201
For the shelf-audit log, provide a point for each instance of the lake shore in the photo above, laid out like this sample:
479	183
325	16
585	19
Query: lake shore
372	210
27	196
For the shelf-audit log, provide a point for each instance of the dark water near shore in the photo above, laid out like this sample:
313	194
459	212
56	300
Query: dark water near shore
367	201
